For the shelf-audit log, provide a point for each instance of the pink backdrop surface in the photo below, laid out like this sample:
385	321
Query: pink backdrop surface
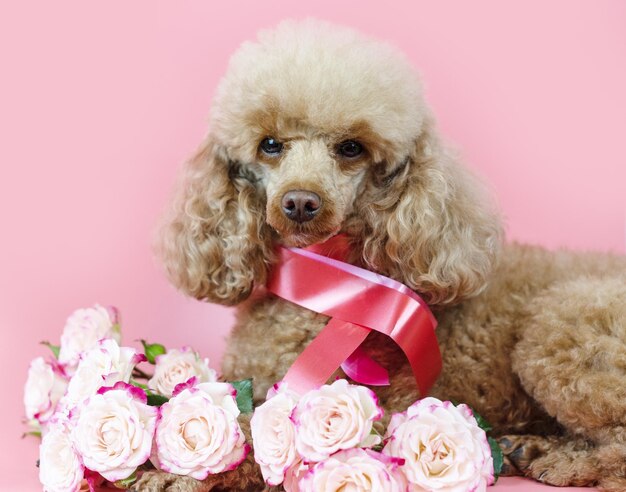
101	103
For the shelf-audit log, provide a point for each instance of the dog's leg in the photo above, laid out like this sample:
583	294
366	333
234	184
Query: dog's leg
246	477
562	461
553	460
266	340
571	358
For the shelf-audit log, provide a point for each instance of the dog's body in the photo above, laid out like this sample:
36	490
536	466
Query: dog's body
541	353
318	131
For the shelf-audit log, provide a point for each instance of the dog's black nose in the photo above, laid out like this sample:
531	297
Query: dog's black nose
301	205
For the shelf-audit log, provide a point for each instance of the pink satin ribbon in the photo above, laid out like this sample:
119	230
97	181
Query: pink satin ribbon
357	301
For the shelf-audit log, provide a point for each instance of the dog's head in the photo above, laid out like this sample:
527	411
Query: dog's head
317	130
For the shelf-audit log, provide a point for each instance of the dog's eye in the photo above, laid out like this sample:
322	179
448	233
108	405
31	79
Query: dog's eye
271	146
350	148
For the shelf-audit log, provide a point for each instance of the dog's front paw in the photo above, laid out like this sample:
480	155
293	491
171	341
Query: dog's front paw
551	460
156	481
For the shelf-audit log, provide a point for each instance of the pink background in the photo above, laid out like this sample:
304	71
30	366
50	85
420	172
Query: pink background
101	102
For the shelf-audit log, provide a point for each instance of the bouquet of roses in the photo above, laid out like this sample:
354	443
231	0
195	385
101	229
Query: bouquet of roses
103	418
328	440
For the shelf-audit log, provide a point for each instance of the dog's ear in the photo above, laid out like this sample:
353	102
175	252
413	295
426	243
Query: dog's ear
214	243
432	226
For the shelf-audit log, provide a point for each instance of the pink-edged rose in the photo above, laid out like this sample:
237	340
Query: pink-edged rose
176	367
113	430
443	447
197	432
60	467
104	365
44	387
274	436
294	474
82	331
334	417
355	469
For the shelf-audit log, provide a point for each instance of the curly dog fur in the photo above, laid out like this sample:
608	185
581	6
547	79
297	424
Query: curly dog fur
533	340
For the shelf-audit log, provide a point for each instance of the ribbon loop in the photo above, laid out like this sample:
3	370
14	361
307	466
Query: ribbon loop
363	369
358	301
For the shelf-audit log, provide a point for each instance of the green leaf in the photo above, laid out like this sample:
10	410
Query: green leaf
482	422
31	433
55	348
116	328
155	400
498	457
125	483
244	395
152	350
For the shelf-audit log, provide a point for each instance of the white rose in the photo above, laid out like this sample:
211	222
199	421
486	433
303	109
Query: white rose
104	365
113	431
177	366
82	331
274	437
443	447
354	469
60	468
43	389
198	434
334	417
294	474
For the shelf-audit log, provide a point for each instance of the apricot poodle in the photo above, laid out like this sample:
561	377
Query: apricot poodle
317	130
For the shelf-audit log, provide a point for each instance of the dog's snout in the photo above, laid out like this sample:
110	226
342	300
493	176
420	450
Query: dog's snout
301	205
